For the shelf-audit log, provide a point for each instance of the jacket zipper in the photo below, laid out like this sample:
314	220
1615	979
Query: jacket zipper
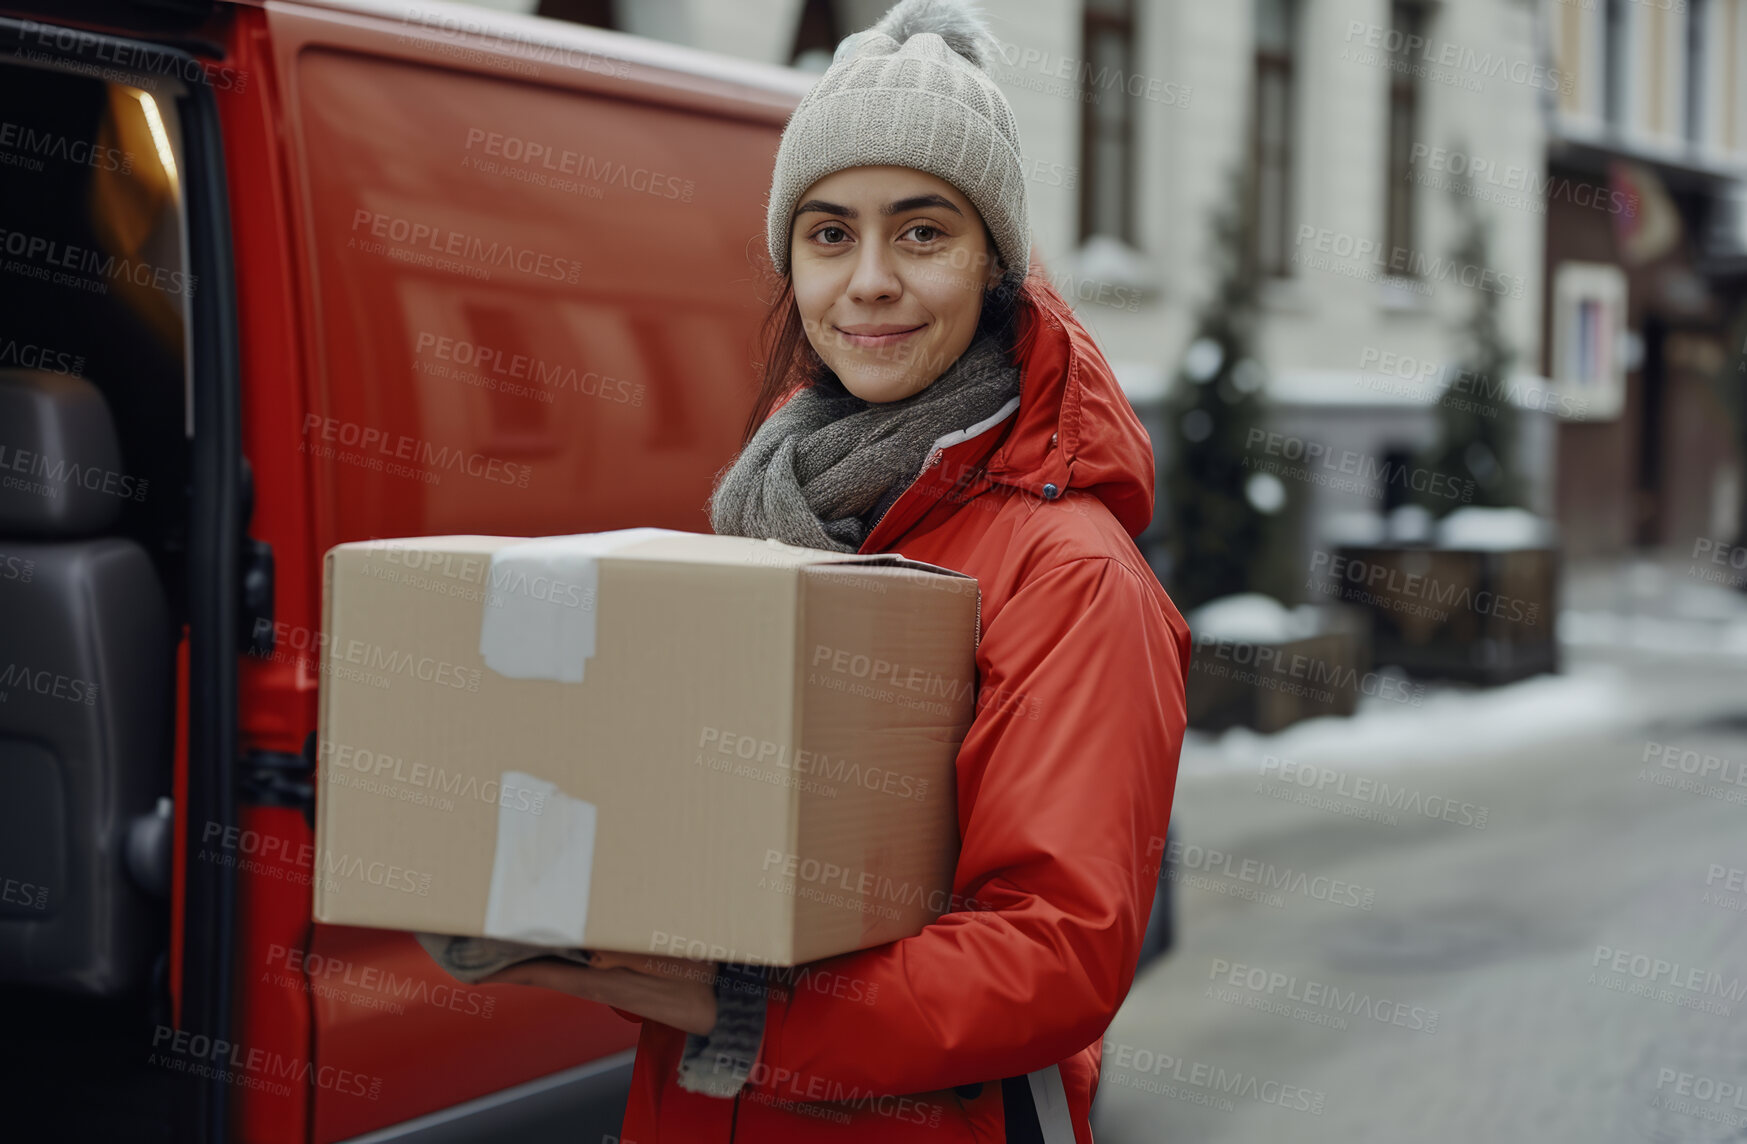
933	460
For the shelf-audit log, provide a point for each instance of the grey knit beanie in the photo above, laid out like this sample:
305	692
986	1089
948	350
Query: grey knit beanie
912	91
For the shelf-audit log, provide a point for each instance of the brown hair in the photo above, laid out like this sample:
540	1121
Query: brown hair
791	362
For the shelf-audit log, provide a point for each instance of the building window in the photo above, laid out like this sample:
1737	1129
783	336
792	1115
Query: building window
1697	15
817	36
1271	134
1574	31
1589	312
1407	26
1614	63
595	13
1107	121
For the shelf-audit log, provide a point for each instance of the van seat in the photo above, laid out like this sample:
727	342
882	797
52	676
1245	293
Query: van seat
87	686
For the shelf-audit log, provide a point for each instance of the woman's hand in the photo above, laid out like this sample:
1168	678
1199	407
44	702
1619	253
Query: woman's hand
667	990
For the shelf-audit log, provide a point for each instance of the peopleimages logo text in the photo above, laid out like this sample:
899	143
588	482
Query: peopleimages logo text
1458	58
1315	455
500	365
144	58
1482	172
467	247
397	768
31	356
562	161
48	252
61	471
404	448
49	683
235	1063
26	140
1403	261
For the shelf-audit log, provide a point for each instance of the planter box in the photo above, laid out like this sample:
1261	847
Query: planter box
1476	615
1267	686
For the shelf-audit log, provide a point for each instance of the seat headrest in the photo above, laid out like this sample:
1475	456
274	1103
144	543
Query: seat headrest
60	463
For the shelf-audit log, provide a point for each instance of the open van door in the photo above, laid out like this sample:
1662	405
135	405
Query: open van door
119	522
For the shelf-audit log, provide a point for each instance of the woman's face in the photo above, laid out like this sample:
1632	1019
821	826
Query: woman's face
889	267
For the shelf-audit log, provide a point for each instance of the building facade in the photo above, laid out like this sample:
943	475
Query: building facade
1646	232
1600	143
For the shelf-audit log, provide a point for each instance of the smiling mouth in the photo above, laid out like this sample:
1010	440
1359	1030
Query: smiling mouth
877	341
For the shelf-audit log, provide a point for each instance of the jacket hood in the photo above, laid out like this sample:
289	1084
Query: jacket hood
1074	428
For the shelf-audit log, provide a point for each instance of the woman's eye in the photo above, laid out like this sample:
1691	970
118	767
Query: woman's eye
831	234
924	232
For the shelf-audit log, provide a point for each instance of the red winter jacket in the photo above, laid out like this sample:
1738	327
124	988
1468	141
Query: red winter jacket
1065	782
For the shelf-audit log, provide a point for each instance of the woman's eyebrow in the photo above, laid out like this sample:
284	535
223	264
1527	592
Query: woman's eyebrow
915	202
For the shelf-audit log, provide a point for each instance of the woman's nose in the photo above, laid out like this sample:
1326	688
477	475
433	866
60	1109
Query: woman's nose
875	279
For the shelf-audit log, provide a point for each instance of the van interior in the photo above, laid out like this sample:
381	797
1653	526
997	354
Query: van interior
95	430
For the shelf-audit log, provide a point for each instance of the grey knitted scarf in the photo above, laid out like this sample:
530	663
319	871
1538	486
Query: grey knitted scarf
823	469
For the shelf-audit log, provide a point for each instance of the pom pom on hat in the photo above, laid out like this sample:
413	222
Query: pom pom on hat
961	25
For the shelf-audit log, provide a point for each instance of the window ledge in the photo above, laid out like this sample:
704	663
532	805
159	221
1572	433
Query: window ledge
1109	272
1284	296
1402	295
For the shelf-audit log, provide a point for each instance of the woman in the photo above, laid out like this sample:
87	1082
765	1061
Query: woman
924	394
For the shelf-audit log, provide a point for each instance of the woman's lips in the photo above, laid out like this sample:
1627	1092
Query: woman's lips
879	340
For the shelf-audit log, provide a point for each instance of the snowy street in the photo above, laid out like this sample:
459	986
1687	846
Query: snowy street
1510	915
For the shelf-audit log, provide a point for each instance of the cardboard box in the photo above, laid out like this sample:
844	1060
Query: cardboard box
641	740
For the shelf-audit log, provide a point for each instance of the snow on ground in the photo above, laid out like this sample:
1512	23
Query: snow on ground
1450	723
1664	611
1658	634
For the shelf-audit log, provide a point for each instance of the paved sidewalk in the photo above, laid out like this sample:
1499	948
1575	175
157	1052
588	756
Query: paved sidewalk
1568	965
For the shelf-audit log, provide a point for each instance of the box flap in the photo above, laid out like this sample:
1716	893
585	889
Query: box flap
899	560
651	544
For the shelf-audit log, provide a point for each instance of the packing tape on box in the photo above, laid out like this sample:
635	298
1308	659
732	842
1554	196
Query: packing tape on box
540	874
539	618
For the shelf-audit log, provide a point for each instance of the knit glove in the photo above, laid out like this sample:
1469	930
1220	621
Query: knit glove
715	1065
719	1064
472	959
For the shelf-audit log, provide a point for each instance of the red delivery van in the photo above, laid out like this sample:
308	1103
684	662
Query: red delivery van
275	276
